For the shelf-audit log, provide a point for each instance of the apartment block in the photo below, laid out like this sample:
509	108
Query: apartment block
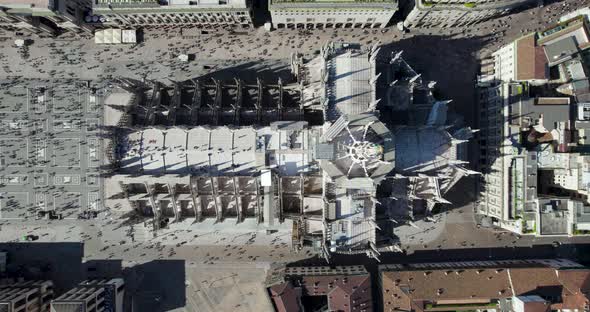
29	296
534	152
213	13
331	14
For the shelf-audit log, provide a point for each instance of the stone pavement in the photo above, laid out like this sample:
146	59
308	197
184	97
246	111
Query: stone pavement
49	146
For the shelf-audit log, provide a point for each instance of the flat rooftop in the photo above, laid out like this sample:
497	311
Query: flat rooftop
553	111
218	151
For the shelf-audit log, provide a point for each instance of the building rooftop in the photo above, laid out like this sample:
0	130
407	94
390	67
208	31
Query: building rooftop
195	4
423	149
531	62
323	177
440	285
364	148
583	213
27	4
342	292
554	219
421	289
573	27
529	109
345	4
561	50
218	150
349	87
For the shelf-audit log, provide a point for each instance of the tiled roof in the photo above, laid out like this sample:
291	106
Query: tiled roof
531	60
285	297
577	283
405	290
450	284
344	292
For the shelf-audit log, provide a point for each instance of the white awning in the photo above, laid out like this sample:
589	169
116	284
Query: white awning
107	36
128	36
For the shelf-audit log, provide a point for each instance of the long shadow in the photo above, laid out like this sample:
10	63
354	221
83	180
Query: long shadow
249	71
452	63
59	262
156	286
577	252
152	286
260	13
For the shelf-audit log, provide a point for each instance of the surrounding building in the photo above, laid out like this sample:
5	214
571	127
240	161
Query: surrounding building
44	16
493	285
21	296
324	158
534	118
92	296
458	13
341	288
213	13
487	286
302	14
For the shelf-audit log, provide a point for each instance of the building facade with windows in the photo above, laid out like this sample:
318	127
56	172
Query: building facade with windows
331	14
45	16
173	12
457	13
533	141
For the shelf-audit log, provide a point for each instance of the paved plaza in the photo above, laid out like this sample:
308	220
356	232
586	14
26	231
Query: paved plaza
50	148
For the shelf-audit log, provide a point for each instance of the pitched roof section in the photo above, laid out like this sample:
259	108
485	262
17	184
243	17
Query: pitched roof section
577	283
450	284
417	290
537	281
531	62
533	304
344	292
285	297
